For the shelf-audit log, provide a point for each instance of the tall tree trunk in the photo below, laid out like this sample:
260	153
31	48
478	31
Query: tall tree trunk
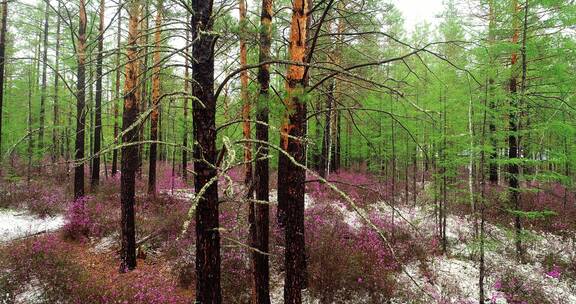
513	137
327	139
57	148
444	176
291	177
482	206
246	127
30	137
90	109
208	289
3	32
44	80
493	166
117	95
98	106
155	103
80	104
143	80
186	90
261	272
246	132
129	160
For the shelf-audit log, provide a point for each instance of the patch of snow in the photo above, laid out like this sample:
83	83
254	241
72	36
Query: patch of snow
32	293
105	244
350	217
457	278
15	224
277	292
183	194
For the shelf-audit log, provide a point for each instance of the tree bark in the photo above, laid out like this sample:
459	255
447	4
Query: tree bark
80	104
260	239
513	137
246	127
3	33
291	177
186	90
155	103
325	165
129	160
44	80
57	148
117	95
98	106
493	166
208	289
143	81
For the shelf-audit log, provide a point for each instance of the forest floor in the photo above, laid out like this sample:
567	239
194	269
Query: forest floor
80	242
455	275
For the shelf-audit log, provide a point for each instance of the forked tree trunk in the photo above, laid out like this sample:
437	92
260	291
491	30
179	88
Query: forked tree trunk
129	160
208	289
291	177
117	95
261	271
80	104
98	106
155	103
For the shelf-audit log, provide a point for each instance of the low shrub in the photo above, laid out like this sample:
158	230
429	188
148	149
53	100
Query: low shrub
345	263
517	290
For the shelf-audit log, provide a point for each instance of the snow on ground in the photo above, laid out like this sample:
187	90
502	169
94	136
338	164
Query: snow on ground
453	278
32	293
15	224
455	275
183	194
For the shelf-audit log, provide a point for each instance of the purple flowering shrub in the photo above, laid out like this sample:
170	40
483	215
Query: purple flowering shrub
363	188
44	264
87	217
48	203
517	290
64	273
346	262
166	180
42	198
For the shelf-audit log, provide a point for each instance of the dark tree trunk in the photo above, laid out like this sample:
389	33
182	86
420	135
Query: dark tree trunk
336	150
98	106
3	32
325	165
44	81
80	104
291	177
155	103
57	147
186	90
116	110
90	109
208	289
129	160
513	139
492	165
143	81
261	272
